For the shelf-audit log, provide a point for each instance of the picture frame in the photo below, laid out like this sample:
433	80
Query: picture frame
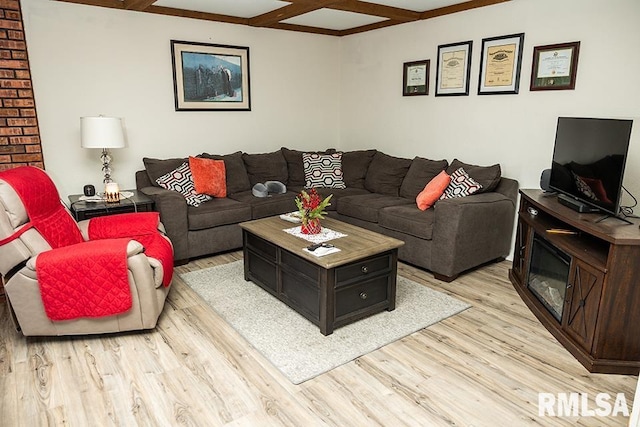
210	77
415	78
555	66
453	69
500	64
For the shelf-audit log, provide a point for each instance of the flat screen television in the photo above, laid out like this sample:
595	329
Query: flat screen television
588	164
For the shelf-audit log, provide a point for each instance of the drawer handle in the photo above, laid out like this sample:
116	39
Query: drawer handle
363	295
365	269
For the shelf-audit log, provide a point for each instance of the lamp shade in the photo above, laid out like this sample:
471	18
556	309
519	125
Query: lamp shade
101	132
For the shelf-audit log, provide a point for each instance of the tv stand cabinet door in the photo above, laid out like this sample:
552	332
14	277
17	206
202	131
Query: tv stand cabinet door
582	303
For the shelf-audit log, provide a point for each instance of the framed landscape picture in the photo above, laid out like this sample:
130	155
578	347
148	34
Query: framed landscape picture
210	77
500	63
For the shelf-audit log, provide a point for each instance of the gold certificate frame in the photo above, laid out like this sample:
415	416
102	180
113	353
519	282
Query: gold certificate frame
500	63
555	66
453	69
415	78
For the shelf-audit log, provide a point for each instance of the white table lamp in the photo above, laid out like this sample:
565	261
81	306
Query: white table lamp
104	133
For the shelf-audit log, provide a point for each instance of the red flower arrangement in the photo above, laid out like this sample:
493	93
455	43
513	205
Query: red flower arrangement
312	209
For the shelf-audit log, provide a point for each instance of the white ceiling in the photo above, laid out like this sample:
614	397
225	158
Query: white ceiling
321	18
333	17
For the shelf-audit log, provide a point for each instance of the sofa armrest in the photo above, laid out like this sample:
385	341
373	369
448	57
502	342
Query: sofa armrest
174	216
470	231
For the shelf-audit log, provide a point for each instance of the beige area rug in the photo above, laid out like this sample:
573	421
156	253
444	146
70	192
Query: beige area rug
292	343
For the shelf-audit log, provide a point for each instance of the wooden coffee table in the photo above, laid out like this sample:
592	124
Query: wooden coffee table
331	290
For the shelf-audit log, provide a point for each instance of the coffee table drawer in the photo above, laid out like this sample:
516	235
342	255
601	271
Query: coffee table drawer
262	272
362	269
351	299
268	250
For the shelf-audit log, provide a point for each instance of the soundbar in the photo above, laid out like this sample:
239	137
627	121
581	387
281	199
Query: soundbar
576	205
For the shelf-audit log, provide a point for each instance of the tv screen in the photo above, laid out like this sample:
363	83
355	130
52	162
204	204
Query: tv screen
589	159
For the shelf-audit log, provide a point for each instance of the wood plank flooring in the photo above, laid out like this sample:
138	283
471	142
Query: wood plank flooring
483	367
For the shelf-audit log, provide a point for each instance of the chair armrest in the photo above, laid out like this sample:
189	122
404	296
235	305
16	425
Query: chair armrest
174	216
469	231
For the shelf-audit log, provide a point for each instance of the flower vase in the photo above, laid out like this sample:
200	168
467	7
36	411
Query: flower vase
311	226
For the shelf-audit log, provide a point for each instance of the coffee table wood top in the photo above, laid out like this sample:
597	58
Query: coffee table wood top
358	244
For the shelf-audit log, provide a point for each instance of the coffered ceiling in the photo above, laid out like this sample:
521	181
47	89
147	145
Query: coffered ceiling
331	17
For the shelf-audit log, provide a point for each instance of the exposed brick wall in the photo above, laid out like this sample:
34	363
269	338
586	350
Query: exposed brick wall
19	133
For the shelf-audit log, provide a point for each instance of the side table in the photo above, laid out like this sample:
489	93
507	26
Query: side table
82	210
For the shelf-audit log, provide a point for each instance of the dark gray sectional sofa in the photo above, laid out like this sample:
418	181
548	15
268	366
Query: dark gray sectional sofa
452	236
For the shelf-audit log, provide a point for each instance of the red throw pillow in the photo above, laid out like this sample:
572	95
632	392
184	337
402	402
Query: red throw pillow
209	176
433	190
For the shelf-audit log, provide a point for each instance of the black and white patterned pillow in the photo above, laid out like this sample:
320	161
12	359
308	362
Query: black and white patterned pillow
461	185
323	170
181	180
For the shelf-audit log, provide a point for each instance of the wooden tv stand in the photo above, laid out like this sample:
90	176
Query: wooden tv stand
601	308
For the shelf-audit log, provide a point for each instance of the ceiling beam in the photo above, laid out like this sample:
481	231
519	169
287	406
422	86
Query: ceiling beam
170	11
460	7
294	9
138	4
393	13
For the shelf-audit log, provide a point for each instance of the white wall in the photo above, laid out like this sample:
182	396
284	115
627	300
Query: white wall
88	61
516	131
312	91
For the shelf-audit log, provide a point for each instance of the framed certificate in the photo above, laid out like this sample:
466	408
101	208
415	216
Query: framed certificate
415	80
555	66
454	69
500	63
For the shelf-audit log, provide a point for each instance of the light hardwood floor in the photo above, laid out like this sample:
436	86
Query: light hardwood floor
483	367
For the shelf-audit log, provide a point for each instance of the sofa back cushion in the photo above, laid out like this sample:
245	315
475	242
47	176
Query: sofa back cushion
421	172
266	167
295	166
236	173
355	165
158	167
487	176
386	173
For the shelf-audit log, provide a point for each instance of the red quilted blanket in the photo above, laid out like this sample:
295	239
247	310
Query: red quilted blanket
94	284
143	227
42	202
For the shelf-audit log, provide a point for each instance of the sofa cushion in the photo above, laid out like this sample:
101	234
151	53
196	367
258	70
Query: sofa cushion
408	219
460	185
157	167
432	191
487	176
355	165
419	174
262	207
208	176
266	167
235	171
323	170
181	180
217	212
295	166
385	174
366	206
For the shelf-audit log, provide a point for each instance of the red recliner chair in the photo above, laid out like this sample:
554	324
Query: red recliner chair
107	274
